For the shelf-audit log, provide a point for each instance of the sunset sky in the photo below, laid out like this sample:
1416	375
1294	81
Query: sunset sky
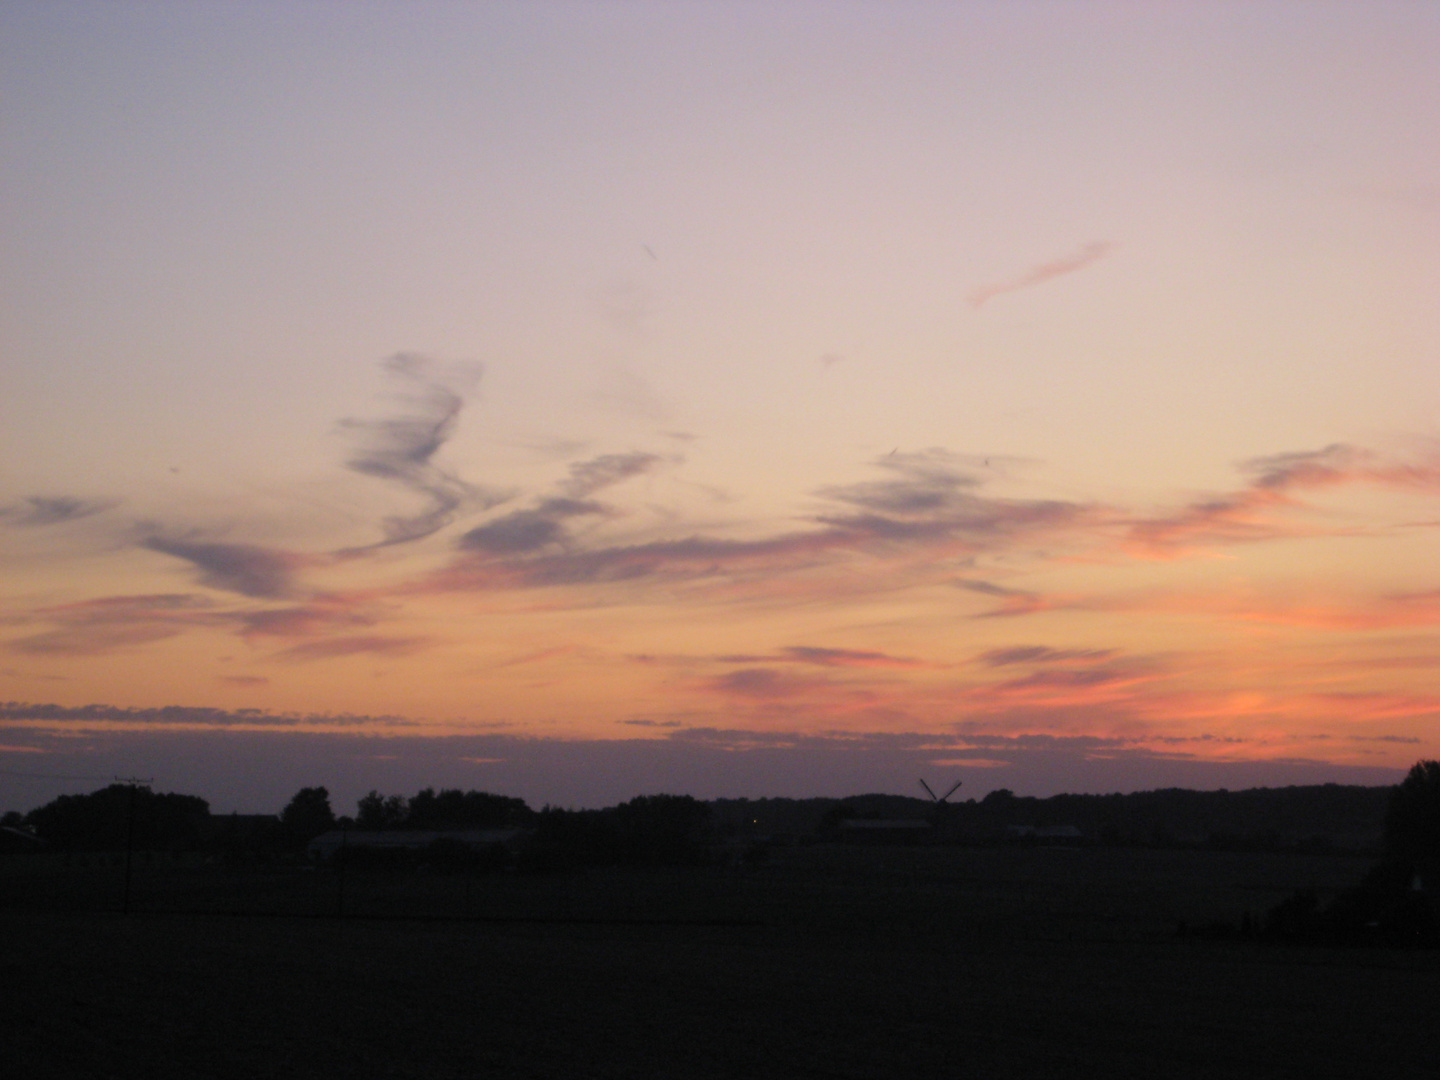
576	401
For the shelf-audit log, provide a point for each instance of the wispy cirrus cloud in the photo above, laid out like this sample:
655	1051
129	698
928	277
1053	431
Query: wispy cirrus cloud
988	588
1253	513
247	569
41	510
762	683
401	449
524	531
1340	463
926	511
918	520
92	627
690	557
820	656
17	713
1361	706
319	615
1036	275
1030	603
106	624
94	638
848	658
1329	608
545	525
927	494
1052	687
1041	654
606	470
1017	602
331	648
1147	700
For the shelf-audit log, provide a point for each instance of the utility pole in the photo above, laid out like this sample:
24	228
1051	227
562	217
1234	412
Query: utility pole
134	782
341	858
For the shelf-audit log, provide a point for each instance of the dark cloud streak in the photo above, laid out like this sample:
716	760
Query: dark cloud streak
356	645
1040	654
926	504
41	510
400	450
588	477
246	569
93	627
523	532
12	712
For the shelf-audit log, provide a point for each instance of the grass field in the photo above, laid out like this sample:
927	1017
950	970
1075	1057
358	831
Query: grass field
827	962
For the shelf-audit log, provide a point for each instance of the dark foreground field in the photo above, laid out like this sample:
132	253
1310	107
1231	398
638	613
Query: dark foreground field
828	962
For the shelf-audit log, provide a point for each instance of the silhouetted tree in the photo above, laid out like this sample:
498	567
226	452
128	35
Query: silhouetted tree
665	830
307	815
452	808
1412	820
449	808
240	836
1387	906
376	812
570	838
101	820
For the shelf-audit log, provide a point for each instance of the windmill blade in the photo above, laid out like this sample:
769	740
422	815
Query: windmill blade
952	790
928	791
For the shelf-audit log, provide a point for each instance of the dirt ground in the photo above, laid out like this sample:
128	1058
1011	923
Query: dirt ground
825	963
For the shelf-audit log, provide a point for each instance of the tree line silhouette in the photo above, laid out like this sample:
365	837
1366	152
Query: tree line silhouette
669	830
1399	824
1316	818
453	830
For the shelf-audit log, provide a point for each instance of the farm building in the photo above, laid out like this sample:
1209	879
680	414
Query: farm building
327	844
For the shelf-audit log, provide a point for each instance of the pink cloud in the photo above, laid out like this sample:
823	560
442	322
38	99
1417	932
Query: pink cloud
762	683
1041	654
92	627
856	658
330	648
825	657
1335	612
1252	513
302	621
1042	273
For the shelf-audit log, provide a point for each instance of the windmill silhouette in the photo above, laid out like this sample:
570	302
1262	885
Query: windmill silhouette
940	814
940	799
